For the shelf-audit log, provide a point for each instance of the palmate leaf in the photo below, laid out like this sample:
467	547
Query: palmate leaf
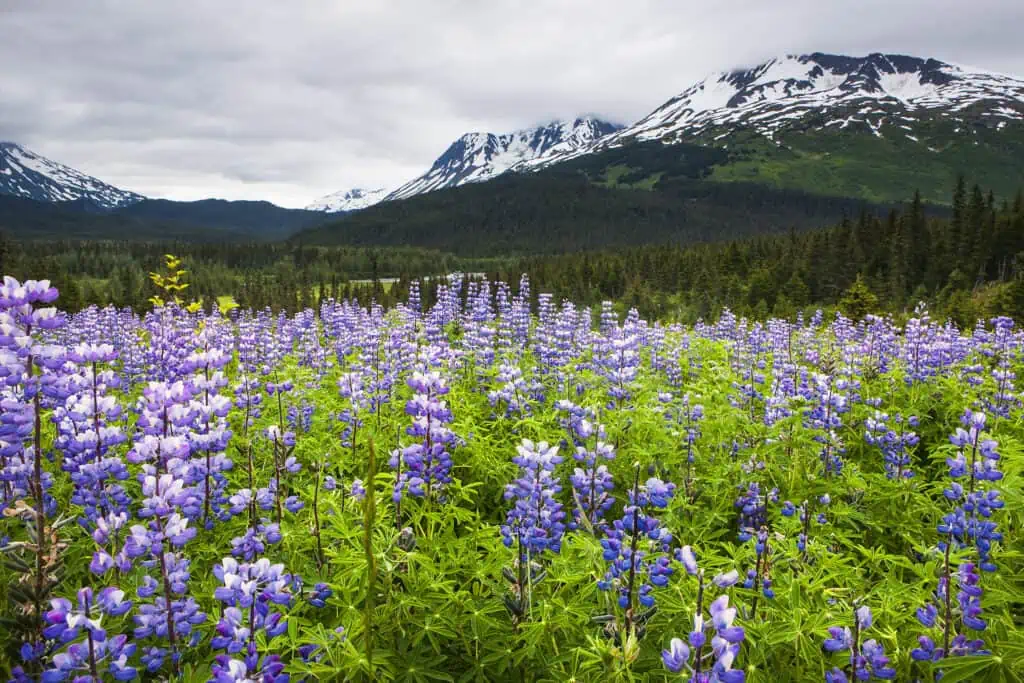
1011	651
982	668
422	669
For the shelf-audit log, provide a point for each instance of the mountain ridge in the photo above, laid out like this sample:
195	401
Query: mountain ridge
780	93
348	200
479	157
812	107
25	174
877	128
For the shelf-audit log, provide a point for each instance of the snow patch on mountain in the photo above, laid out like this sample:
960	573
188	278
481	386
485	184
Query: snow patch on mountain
771	97
26	174
348	200
477	157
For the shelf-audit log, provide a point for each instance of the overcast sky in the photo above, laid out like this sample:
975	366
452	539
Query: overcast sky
287	100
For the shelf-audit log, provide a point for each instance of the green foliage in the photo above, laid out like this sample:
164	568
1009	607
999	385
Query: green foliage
856	163
858	300
427	604
638	194
965	265
171	283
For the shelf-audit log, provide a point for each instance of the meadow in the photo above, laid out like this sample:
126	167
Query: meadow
505	487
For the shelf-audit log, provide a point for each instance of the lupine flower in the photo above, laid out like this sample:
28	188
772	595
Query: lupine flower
251	594
867	658
534	523
752	506
66	623
424	467
210	436
165	611
592	484
951	620
825	415
895	444
634	546
513	390
805	515
977	462
1003	345
712	662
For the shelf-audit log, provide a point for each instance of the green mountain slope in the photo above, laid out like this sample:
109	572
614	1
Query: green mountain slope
877	127
639	194
856	162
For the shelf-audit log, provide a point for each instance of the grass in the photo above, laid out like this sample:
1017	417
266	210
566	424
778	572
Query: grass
887	169
613	178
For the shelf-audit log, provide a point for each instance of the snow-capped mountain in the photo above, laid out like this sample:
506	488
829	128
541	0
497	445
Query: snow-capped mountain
881	94
348	200
26	174
476	157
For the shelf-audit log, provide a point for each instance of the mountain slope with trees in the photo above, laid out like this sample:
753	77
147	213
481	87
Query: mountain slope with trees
620	197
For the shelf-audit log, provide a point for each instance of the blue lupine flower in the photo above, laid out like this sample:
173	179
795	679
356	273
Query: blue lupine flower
633	545
867	658
535	521
425	467
714	663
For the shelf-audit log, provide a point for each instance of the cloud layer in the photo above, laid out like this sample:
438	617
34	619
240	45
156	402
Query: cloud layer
287	101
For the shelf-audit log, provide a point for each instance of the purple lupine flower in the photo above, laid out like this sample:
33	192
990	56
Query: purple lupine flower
712	663
804	513
950	620
535	522
513	390
752	506
867	658
209	437
617	357
895	443
166	611
976	460
251	594
634	546
825	415
321	593
66	623
676	656
1004	347
425	466
747	358
267	669
592	484
27	367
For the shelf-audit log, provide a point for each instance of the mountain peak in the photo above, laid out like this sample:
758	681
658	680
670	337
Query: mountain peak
788	91
479	156
348	200
26	174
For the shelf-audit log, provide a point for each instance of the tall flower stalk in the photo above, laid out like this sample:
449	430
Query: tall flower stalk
535	524
635	548
24	361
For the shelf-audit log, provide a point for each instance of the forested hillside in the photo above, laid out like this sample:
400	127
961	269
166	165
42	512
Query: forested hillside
642	194
970	263
966	264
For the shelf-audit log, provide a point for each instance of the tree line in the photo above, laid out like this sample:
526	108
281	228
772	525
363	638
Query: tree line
967	264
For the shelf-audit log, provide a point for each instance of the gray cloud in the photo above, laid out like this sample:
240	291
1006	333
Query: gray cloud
290	100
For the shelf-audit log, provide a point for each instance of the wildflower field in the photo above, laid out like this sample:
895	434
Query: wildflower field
504	487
